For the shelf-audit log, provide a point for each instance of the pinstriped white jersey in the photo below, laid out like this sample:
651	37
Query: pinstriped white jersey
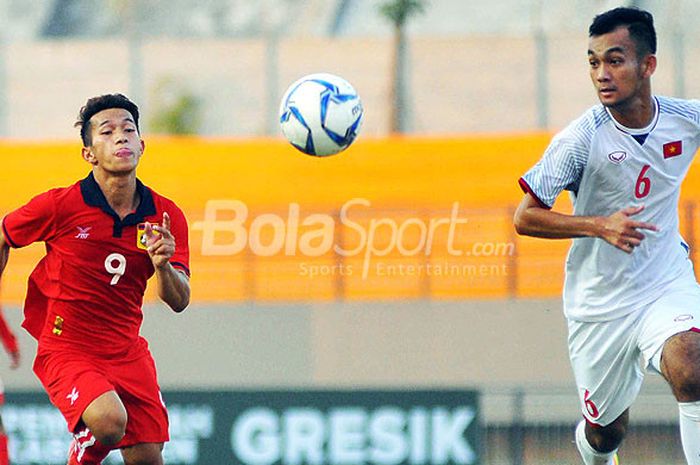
608	167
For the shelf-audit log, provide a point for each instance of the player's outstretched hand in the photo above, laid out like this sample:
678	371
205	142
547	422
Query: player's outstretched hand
160	242
622	231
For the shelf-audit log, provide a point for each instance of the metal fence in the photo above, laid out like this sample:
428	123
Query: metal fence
535	426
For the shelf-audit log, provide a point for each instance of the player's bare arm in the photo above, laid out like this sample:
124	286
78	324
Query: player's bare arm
173	285
4	252
4	256
618	229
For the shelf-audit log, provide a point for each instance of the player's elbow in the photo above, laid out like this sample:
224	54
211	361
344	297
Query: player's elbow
525	218
176	299
179	304
174	290
520	223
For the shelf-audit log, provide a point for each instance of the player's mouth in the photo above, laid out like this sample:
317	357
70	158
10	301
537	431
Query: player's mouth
123	153
606	91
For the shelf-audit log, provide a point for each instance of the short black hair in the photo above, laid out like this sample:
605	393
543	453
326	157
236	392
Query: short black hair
95	105
640	24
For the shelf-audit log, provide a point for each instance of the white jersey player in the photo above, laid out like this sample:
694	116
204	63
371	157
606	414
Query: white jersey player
630	295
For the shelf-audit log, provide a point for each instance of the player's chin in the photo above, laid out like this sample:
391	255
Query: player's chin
607	100
121	168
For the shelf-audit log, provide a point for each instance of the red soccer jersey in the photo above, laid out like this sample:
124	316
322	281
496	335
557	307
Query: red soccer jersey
87	292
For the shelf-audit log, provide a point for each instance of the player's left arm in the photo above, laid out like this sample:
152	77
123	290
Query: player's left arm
8	338
173	284
9	341
4	251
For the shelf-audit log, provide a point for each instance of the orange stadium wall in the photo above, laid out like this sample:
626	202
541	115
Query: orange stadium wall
391	218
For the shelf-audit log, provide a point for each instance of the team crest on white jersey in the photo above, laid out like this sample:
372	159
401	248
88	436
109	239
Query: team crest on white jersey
83	233
617	157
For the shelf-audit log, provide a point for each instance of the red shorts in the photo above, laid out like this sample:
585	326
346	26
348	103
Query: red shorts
73	380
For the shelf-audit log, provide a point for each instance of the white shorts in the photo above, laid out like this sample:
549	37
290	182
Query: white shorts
610	358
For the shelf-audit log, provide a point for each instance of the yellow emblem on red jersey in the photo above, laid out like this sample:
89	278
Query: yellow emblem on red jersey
141	236
58	326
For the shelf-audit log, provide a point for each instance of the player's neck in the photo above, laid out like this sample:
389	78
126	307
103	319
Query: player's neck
119	191
635	114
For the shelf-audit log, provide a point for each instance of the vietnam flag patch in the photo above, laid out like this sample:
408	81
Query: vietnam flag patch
673	149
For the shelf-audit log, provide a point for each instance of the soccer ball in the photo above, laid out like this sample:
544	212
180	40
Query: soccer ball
321	114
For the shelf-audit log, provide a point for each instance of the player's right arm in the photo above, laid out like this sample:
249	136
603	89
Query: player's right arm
618	229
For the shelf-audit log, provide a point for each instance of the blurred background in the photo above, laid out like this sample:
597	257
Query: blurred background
375	307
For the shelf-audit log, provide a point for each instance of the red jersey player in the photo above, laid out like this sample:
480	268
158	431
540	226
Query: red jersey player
105	236
9	342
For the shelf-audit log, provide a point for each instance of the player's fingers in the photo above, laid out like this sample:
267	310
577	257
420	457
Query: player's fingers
625	246
629	211
166	221
629	240
15	360
633	233
162	248
644	225
155	247
163	232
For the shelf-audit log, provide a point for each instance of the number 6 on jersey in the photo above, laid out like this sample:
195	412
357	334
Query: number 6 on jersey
118	270
643	186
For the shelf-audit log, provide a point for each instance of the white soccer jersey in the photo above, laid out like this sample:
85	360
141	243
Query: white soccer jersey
608	167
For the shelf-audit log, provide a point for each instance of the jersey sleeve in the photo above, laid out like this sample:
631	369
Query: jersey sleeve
180	231
560	168
33	222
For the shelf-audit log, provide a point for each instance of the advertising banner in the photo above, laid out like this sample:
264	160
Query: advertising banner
281	427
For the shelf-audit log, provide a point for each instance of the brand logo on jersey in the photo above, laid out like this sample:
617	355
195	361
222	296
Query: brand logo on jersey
617	157
673	149
684	317
83	233
73	395
141	236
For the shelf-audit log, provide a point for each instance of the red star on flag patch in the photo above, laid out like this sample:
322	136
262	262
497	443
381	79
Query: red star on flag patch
673	149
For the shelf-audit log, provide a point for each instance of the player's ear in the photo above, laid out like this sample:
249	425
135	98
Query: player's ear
648	65
88	156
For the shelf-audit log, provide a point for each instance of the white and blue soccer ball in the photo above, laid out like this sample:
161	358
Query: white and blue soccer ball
321	114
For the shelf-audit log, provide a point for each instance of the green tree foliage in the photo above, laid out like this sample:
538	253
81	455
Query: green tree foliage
176	110
398	11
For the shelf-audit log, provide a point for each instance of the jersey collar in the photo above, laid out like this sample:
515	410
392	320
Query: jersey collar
638	131
93	196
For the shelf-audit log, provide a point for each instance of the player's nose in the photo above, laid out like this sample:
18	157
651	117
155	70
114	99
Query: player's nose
602	73
120	136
